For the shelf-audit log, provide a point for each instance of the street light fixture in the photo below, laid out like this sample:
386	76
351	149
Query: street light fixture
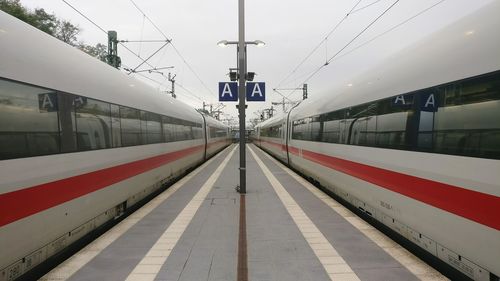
242	77
224	43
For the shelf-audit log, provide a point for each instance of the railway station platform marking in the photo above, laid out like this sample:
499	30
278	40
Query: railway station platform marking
70	266
149	267
416	266
335	266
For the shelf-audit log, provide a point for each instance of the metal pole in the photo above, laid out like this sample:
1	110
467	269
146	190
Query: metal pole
242	92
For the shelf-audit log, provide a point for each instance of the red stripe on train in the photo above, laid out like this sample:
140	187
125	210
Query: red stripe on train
278	145
476	206
19	204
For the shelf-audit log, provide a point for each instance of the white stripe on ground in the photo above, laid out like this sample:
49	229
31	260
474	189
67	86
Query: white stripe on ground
334	264
70	266
150	265
416	266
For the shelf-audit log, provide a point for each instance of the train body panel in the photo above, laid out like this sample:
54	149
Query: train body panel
217	136
271	136
80	142
415	143
464	236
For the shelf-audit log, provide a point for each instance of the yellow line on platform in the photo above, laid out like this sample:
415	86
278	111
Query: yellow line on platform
416	266
335	266
150	265
70	266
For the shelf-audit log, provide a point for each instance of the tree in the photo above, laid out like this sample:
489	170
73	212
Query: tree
49	23
98	51
67	32
14	8
43	21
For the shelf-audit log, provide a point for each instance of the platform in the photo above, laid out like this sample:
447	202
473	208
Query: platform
293	231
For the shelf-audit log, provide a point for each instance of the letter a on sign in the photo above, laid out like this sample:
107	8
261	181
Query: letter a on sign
228	91
256	91
428	102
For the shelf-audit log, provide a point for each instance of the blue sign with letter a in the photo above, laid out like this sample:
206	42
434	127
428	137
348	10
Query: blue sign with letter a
429	102
256	91
228	91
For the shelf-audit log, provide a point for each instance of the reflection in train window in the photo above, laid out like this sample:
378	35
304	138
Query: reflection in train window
144	127
115	126
36	121
168	129
28	121
154	128
131	126
458	118
67	122
272	132
93	122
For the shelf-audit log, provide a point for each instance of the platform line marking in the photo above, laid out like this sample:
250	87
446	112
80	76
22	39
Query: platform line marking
416	266
70	266
335	266
148	268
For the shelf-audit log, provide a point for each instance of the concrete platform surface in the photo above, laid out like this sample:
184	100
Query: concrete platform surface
290	231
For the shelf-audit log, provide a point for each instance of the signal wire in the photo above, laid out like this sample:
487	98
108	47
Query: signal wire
319	44
81	14
347	45
392	28
176	50
132	52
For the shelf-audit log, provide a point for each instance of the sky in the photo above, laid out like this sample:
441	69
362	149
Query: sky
291	29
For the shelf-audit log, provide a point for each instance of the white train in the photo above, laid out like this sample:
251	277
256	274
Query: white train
414	143
80	142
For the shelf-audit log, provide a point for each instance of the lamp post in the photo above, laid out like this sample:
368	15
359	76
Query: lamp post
242	72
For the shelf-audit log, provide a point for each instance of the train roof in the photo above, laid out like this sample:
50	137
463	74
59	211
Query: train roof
31	56
214	122
278	118
465	48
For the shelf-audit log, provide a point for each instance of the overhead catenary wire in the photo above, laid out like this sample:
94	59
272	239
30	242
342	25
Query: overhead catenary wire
142	34
366	6
81	14
347	45
128	49
175	49
391	29
189	93
319	44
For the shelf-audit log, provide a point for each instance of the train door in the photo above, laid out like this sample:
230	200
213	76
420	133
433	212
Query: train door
288	134
204	137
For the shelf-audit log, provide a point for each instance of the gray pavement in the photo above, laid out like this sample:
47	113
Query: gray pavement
208	248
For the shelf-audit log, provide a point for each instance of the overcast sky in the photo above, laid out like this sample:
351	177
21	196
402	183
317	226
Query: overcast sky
291	30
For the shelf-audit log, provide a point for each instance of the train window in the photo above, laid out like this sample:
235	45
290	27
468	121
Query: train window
468	120
130	126
221	132
178	129
458	118
116	140
212	131
154	128
316	129
197	131
393	114
28	121
93	123
272	131
331	126
168	129
300	129
144	127
183	132
67	122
